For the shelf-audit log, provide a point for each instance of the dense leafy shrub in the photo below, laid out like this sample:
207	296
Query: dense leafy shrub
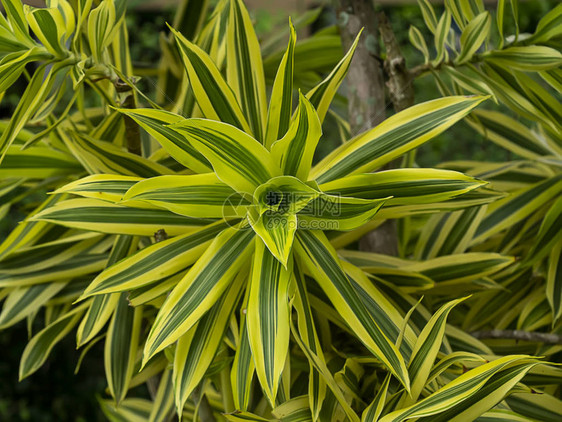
199	240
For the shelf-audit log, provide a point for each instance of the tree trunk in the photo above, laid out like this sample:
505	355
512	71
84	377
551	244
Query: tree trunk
365	95
365	82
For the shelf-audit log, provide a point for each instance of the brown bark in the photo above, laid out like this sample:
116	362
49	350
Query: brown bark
365	94
399	79
401	92
365	83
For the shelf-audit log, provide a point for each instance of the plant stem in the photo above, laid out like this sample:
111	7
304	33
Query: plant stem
132	131
226	389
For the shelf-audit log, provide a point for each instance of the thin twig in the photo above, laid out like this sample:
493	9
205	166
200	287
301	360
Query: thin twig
420	69
530	336
132	131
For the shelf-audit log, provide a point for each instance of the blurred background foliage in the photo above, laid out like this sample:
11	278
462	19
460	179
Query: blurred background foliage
55	393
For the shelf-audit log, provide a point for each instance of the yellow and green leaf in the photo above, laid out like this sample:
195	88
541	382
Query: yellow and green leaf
508	133
549	233
548	27
404	186
199	290
441	33
99	311
307	331
295	150
322	368
464	388
317	255
108	187
244	68
526	58
267	317
473	35
121	344
28	232
393	137
494	391
461	267
322	94
510	210
536	406
196	349
102	157
32	98
23	301
373	412
238	159
281	101
154	262
425	350
334	212
199	195
105	217
102	28
276	229
76	266
49	26
156	122
164	400
39	347
243	369
554	281
16	17
215	97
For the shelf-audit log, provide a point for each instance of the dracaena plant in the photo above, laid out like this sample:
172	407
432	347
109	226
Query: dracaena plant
213	247
516	309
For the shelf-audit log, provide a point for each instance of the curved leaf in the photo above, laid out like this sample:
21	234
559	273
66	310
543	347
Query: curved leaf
156	122
40	346
316	253
199	195
154	262
101	216
238	160
322	94
244	68
214	96
281	101
396	135
199	290
294	152
404	186
197	348
267	318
